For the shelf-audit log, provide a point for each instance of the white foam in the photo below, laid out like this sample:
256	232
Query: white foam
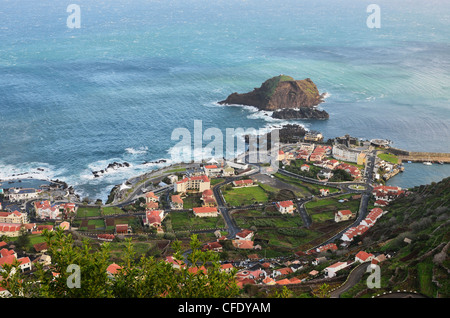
138	151
30	170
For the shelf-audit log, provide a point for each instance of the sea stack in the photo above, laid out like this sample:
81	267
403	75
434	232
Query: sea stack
283	92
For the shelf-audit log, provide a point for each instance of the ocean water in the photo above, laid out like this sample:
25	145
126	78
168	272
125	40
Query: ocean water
74	100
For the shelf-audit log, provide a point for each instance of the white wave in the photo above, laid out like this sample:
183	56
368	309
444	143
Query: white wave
140	150
30	170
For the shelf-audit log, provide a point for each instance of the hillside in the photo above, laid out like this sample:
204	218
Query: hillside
421	262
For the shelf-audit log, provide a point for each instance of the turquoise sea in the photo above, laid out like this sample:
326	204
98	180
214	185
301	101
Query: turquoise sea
74	100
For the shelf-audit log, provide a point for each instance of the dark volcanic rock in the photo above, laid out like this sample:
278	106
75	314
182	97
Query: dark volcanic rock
279	92
300	113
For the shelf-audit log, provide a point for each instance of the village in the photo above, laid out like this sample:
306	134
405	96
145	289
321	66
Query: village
301	226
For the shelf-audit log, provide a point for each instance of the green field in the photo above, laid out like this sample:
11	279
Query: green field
305	189
323	210
112	210
215	181
289	239
262	219
88	211
92	224
245	196
186	221
388	157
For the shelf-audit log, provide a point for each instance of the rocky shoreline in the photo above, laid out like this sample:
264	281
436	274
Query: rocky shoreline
300	113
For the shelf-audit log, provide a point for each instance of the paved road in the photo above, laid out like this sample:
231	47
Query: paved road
232	227
354	277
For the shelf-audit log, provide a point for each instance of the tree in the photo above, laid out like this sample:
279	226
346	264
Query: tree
323	291
199	276
23	240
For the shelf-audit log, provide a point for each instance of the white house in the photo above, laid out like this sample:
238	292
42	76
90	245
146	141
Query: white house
15	195
331	270
363	257
343	215
245	235
285	207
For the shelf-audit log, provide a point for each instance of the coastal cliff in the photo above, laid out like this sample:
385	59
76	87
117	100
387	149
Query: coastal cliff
283	92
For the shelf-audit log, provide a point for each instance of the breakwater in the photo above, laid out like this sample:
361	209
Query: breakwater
415	156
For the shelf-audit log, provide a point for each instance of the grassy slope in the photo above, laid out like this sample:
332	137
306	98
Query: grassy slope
423	217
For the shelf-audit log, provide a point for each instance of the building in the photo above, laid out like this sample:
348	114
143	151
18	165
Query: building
352	170
105	237
177	264
324	192
176	202
313	136
122	229
151	197
172	178
10	229
386	193
212	170
228	171
154	218
113	269
208	198
331	271
205	212
285	207
327	247
341	152
11	258
15	195
46	210
354	231
304	167
343	215
243	183
245	235
242	244
13	217
363	257
213	246
195	183
227	268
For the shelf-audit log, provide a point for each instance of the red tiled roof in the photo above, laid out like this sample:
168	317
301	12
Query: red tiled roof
207	192
151	195
204	210
363	255
10	227
345	212
246	181
177	199
285	204
113	268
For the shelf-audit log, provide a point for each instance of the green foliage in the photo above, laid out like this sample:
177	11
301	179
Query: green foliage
269	86
340	175
137	278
